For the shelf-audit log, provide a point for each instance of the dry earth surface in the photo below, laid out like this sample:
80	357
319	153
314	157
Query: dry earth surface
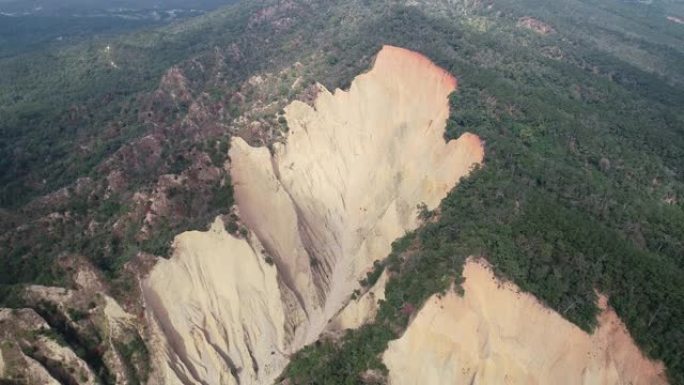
320	210
495	334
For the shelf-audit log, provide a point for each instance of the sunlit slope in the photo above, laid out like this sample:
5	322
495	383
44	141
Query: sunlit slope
495	334
322	206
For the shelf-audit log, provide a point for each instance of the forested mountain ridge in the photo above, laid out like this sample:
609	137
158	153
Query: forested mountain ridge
110	148
29	26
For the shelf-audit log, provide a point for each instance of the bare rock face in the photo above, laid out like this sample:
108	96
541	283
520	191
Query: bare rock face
346	185
2	366
218	307
495	334
320	210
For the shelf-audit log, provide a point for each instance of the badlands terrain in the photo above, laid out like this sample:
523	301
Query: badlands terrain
347	192
230	309
319	212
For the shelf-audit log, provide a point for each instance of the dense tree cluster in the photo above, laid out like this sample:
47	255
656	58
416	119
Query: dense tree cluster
572	198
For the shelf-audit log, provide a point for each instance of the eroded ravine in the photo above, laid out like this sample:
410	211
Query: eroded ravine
323	207
348	181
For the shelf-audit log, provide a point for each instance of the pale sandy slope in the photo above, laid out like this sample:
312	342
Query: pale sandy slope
496	335
323	206
347	183
217	308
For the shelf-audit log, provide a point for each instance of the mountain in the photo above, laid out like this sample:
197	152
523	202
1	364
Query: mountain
328	192
27	26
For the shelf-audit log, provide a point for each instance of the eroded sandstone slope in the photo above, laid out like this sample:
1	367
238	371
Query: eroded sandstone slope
321	208
218	311
495	334
347	183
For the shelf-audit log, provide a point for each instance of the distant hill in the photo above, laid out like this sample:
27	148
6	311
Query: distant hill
32	25
113	145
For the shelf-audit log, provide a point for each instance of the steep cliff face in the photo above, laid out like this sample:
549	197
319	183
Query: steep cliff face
321	208
347	183
496	335
217	305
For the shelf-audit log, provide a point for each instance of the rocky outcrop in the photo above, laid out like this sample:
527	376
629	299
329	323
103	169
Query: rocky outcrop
535	25
356	164
2	365
79	335
495	334
321	209
34	355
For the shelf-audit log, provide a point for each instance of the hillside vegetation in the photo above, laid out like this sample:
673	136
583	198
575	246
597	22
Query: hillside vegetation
579	104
